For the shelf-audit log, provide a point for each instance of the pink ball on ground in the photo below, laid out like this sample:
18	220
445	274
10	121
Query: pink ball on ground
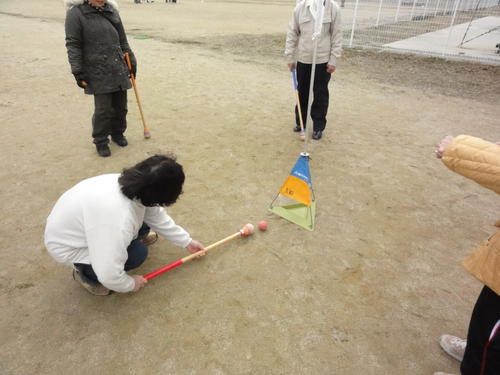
262	225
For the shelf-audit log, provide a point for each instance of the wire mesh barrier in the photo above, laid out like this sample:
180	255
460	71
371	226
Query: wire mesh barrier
454	29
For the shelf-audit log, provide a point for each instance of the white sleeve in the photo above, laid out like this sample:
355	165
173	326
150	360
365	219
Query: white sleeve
158	220
292	38
108	253
336	36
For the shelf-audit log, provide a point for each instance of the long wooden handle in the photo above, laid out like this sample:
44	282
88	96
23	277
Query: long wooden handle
300	111
147	133
296	87
179	262
146	129
210	247
127	60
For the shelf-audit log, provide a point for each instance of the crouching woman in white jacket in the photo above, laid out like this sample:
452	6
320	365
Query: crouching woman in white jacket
101	226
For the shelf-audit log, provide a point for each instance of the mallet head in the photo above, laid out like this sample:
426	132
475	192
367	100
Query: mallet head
247	230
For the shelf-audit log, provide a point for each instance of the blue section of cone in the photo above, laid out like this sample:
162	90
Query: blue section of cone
301	170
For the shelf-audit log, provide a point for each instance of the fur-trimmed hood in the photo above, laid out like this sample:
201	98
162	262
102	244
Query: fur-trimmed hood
71	3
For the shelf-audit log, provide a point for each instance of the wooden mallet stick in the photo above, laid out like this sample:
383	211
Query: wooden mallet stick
247	230
296	87
147	133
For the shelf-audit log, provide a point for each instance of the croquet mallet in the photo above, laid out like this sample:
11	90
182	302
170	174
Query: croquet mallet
247	230
147	133
302	133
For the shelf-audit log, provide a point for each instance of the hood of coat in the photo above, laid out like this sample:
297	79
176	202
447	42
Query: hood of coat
71	3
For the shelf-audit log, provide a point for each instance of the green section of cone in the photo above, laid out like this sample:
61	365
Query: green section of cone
299	214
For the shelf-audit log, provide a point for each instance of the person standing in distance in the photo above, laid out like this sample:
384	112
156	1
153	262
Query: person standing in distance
96	43
299	55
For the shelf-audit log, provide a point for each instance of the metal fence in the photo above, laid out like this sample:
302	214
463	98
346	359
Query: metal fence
453	29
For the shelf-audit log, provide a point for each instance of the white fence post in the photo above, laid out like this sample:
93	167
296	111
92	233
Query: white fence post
397	11
451	27
378	13
425	8
437	7
446	8
354	22
412	10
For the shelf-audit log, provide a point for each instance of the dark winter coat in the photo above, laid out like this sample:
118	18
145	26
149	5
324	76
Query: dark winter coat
96	43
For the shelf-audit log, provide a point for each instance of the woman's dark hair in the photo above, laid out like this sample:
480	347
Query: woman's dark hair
155	181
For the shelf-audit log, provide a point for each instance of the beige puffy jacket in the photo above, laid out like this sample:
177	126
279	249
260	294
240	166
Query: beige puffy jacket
299	43
479	160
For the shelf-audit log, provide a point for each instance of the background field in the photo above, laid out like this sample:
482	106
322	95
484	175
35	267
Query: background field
368	292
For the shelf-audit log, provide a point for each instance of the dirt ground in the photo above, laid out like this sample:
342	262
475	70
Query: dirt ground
368	292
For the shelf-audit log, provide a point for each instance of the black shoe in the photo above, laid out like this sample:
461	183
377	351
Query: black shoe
297	129
103	149
317	134
120	140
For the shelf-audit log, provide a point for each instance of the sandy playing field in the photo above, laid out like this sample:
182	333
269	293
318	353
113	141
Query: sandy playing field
368	292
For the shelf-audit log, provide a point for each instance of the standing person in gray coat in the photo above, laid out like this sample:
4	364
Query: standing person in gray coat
299	51
96	43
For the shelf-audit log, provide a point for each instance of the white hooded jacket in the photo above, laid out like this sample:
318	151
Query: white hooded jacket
94	223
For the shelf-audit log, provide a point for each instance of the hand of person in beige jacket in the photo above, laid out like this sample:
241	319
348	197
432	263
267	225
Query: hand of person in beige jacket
444	143
473	158
442	146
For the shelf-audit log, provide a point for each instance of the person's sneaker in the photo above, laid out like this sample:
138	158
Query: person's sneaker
442	373
297	128
150	239
103	150
94	288
453	345
317	135
120	140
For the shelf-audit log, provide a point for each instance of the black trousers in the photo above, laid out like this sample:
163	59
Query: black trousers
110	116
319	106
485	315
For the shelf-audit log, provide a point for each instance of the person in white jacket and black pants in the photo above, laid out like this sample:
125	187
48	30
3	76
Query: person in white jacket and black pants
101	226
299	55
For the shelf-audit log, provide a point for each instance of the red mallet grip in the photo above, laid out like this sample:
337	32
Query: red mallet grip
163	269
247	230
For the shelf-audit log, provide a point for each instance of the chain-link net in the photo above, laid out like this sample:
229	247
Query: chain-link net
461	29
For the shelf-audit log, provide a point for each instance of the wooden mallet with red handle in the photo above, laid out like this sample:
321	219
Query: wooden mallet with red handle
247	230
147	133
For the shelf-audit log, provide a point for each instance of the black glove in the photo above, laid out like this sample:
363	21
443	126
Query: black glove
134	69
80	77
